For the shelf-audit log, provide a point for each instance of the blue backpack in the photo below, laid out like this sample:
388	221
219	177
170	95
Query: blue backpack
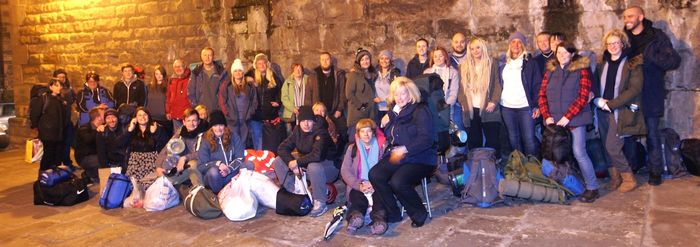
117	189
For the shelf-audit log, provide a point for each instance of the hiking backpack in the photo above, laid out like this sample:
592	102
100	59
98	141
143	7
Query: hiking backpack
690	149
671	153
482	177
529	170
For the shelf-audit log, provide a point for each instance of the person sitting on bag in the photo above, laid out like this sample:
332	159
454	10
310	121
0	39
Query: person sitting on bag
86	145
413	155
360	157
191	134
306	149
111	141
216	154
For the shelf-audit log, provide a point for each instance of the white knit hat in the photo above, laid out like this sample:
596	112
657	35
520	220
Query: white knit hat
237	65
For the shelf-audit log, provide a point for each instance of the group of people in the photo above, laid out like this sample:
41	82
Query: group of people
368	126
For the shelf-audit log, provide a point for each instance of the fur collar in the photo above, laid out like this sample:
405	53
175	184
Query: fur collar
578	64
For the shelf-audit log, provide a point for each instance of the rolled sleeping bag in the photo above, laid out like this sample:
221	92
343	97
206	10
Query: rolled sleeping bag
530	191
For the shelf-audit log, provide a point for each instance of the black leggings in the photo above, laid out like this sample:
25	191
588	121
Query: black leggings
52	155
490	130
391	182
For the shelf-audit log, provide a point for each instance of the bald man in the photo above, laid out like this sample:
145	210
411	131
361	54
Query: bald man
459	49
659	57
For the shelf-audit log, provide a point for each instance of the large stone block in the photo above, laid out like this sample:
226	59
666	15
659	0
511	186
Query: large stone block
126	34
125	10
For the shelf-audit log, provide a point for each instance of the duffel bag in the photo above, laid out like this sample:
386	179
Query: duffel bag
51	177
66	193
117	189
203	203
690	149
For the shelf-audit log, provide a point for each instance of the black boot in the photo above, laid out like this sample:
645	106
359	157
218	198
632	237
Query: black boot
589	196
655	179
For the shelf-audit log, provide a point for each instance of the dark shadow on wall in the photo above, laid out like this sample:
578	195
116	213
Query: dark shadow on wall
685	84
563	16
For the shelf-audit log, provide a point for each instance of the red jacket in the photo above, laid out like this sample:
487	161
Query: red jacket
176	100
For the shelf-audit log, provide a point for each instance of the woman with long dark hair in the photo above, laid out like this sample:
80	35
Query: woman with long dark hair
156	99
145	139
216	154
563	99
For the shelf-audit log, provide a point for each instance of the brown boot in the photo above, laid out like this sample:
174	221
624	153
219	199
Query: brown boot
615	179
628	182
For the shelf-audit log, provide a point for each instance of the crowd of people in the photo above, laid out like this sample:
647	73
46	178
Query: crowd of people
368	125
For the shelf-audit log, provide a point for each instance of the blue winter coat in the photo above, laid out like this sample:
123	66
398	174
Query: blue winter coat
413	128
88	99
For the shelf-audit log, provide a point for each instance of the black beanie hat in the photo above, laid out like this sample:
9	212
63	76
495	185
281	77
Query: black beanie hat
217	117
306	113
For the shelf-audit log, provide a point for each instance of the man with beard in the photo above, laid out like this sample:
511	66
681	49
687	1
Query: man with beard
331	87
659	57
111	141
459	50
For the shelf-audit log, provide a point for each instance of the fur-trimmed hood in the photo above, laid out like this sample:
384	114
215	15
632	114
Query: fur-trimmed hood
578	64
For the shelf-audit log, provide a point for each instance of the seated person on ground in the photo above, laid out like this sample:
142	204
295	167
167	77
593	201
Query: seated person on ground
306	149
191	134
360	157
112	141
217	152
86	145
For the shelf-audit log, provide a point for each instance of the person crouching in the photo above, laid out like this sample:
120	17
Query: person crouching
305	149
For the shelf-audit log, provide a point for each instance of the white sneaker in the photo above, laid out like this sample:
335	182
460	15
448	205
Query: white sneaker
319	208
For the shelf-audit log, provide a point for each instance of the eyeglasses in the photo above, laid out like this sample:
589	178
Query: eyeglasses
613	43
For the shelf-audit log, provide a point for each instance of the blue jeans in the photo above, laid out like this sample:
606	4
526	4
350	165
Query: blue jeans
578	135
256	130
521	129
654	145
213	179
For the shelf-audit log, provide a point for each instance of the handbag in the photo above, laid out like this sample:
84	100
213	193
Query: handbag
294	204
33	151
203	203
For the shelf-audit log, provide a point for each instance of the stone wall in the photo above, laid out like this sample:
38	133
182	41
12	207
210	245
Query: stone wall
102	35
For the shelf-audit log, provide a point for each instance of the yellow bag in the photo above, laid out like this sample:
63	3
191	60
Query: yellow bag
34	150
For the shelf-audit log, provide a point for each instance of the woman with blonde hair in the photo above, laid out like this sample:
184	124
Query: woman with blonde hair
480	96
411	157
266	119
618	93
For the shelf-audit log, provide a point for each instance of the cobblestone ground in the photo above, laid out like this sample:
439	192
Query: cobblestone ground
668	215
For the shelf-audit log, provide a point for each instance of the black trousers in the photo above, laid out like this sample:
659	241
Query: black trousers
393	182
490	131
359	203
53	155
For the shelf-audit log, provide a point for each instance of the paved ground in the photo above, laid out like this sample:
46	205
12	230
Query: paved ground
668	215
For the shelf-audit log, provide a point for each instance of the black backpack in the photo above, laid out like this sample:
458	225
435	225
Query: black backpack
430	86
38	98
690	149
66	193
671	153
